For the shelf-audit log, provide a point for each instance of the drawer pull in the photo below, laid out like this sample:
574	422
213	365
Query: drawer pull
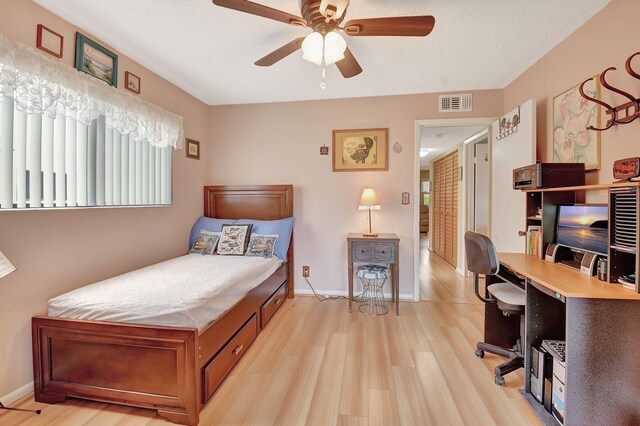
277	302
362	251
382	251
237	350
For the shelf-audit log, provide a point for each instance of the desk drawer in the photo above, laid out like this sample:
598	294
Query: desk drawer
272	305
219	367
383	252
362	252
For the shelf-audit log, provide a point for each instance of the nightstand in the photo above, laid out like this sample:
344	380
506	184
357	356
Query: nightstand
382	249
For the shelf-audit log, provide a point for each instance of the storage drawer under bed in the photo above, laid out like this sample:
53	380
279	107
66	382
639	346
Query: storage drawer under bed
229	355
270	307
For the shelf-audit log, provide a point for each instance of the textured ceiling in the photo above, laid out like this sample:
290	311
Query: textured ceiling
209	51
439	140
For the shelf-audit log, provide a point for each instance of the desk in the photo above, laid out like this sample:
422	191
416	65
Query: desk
381	249
600	323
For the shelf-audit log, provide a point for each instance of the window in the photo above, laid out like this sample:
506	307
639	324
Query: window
69	140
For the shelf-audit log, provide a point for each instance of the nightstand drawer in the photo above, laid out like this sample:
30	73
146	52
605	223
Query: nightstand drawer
383	252
362	252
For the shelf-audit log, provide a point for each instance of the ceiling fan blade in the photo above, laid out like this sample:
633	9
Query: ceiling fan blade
280	53
261	10
348	66
407	26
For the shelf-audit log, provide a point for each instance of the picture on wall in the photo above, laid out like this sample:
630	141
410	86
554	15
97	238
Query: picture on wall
360	149
49	41
572	114
132	82
96	60
193	149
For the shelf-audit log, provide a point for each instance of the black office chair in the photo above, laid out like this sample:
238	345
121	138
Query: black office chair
482	258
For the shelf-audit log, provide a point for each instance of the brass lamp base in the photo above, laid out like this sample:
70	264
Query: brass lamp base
368	234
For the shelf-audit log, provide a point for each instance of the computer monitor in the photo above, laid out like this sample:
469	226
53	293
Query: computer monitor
583	227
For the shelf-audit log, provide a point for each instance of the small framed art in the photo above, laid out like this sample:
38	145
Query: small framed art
132	82
193	149
360	149
96	60
49	41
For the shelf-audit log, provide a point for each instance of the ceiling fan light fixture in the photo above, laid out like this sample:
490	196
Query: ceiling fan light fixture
312	48
334	48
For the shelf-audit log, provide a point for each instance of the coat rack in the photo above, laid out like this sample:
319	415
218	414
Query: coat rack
621	114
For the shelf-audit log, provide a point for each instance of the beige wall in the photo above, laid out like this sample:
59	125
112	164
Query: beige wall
608	39
56	251
279	143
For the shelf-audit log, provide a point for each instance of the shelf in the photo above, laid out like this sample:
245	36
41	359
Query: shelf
624	249
534	218
598	187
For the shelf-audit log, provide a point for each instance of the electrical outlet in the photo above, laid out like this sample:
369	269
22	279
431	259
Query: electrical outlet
305	271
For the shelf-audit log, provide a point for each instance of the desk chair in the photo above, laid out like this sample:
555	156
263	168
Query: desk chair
482	258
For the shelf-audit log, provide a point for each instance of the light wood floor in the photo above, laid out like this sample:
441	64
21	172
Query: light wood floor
317	364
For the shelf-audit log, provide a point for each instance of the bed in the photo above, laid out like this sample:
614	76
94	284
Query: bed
168	368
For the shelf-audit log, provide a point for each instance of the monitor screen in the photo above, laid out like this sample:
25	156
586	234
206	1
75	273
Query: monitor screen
584	227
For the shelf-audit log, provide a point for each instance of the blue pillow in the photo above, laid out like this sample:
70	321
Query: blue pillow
282	228
208	224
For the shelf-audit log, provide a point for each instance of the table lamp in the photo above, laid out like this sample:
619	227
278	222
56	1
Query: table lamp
369	201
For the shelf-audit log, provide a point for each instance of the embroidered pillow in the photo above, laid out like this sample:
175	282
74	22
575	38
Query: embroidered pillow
205	243
234	239
261	245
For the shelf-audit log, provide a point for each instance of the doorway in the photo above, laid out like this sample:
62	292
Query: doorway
447	193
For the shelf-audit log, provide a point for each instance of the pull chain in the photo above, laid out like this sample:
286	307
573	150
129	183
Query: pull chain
323	85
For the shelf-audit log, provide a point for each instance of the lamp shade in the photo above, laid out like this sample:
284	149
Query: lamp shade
312	48
330	47
369	200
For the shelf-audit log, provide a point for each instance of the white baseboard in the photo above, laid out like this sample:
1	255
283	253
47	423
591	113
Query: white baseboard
21	392
307	291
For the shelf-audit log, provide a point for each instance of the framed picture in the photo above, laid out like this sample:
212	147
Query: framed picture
360	149
572	114
193	149
96	60
132	82
49	41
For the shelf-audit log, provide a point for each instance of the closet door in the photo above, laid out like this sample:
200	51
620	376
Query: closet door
445	203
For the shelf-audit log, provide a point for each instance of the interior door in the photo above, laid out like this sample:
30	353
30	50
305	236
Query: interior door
445	204
507	153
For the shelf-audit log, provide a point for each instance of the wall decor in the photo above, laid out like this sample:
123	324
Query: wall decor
360	149
96	60
572	115
49	41
324	150
132	82
406	198
623	113
397	147
508	126
193	149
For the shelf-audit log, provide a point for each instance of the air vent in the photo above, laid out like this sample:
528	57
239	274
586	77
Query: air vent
456	103
625	212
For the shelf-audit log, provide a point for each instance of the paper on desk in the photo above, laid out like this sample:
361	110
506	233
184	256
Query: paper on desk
5	266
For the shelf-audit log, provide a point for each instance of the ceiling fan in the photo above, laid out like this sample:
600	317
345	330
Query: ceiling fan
325	46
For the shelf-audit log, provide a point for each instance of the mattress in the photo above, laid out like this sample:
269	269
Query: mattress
188	291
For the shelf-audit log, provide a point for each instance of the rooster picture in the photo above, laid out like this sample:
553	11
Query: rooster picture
359	150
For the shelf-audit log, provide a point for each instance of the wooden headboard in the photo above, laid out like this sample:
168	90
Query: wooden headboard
260	202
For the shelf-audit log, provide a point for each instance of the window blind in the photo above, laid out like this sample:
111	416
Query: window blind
68	140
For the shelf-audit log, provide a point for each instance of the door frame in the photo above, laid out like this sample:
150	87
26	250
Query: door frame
462	201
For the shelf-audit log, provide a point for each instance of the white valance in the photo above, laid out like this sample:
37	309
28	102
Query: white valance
40	85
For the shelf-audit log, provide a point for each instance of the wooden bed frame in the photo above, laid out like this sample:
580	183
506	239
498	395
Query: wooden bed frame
172	370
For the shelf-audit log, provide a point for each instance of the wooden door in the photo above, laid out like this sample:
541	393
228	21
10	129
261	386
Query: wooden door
445	205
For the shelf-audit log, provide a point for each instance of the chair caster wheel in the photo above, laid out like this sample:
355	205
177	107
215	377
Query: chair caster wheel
500	381
479	353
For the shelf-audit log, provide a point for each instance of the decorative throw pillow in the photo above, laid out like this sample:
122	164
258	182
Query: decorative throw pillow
205	243
262	245
234	239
